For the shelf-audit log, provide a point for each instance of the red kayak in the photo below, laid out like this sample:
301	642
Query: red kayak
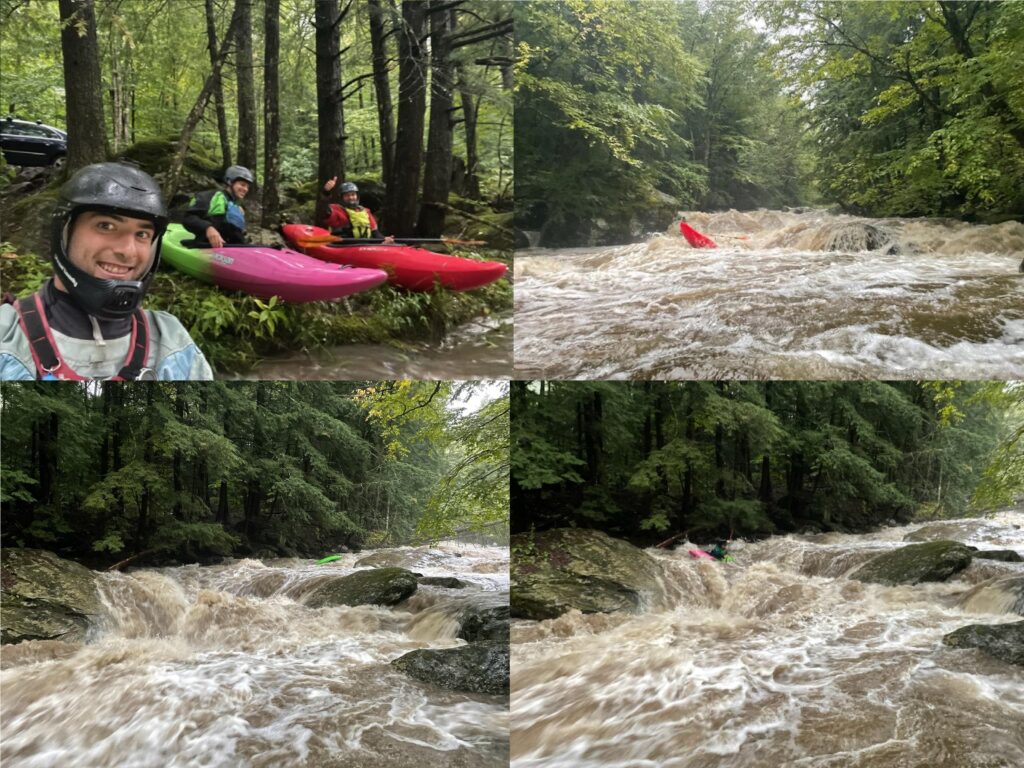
695	238
412	268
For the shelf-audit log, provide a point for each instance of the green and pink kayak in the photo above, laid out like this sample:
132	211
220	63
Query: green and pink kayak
414	269
264	271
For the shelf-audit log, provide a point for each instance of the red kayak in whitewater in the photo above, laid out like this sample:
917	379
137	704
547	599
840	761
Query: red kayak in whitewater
695	238
412	268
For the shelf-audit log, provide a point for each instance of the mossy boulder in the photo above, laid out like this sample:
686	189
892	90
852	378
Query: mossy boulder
474	668
45	597
448	582
483	623
916	563
1005	555
566	568
378	586
1002	641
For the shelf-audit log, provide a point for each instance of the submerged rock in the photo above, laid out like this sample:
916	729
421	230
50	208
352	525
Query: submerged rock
916	563
555	571
45	597
1003	641
475	668
449	582
1005	555
379	586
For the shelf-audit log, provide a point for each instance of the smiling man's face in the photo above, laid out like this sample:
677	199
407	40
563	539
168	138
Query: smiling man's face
111	247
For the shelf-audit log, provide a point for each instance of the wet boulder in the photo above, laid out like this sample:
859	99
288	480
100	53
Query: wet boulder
448	582
858	236
377	586
1003	641
45	597
474	668
555	571
485	623
916	563
1005	555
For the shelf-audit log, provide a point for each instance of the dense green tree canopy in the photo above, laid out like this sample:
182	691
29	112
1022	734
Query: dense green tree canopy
644	459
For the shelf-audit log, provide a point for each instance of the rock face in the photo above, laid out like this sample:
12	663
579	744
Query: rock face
476	668
565	568
1003	641
913	564
488	624
379	586
449	582
1006	555
45	597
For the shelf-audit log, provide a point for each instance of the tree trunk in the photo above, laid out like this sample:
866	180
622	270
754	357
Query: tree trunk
382	88
470	111
438	167
272	118
87	137
247	139
330	118
196	113
412	101
218	86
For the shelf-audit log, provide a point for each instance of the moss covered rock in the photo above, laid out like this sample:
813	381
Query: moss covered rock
1003	641
485	623
448	582
378	586
476	668
565	568
916	563
1005	555
45	597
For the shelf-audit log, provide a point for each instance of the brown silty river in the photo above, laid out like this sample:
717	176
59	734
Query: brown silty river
780	660
225	666
785	296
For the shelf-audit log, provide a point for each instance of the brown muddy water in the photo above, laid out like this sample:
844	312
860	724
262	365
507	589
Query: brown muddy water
779	660
481	349
225	666
785	295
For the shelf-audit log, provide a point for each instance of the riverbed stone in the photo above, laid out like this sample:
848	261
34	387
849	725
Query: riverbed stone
45	597
448	582
474	668
916	563
1003	641
377	586
565	568
485	623
1004	555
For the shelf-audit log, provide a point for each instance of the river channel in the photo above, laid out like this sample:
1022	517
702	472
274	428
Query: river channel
779	659
224	666
786	295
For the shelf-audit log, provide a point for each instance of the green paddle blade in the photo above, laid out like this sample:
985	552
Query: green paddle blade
328	559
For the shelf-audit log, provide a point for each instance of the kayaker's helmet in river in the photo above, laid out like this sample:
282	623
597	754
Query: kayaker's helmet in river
348	188
236	172
116	188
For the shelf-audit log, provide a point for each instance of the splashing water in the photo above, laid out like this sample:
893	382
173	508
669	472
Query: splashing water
779	660
785	295
224	666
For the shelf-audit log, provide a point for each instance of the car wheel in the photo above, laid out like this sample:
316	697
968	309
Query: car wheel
58	163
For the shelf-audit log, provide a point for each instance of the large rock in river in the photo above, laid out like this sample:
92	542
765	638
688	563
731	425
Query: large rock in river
487	623
379	586
555	571
476	668
45	597
913	564
1005	555
1004	641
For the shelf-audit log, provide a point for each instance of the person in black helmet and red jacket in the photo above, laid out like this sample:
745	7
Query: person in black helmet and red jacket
217	217
87	321
350	219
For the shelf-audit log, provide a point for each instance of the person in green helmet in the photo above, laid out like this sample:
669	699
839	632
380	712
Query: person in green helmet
216	217
87	321
350	219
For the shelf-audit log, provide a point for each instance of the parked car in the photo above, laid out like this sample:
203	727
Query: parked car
24	143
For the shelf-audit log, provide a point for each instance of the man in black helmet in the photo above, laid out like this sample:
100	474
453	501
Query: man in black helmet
216	217
86	322
349	219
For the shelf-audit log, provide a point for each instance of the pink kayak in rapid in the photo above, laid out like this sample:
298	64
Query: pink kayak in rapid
265	271
699	553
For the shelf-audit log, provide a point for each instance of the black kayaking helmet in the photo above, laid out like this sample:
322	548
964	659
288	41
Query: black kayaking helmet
120	189
344	189
236	172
